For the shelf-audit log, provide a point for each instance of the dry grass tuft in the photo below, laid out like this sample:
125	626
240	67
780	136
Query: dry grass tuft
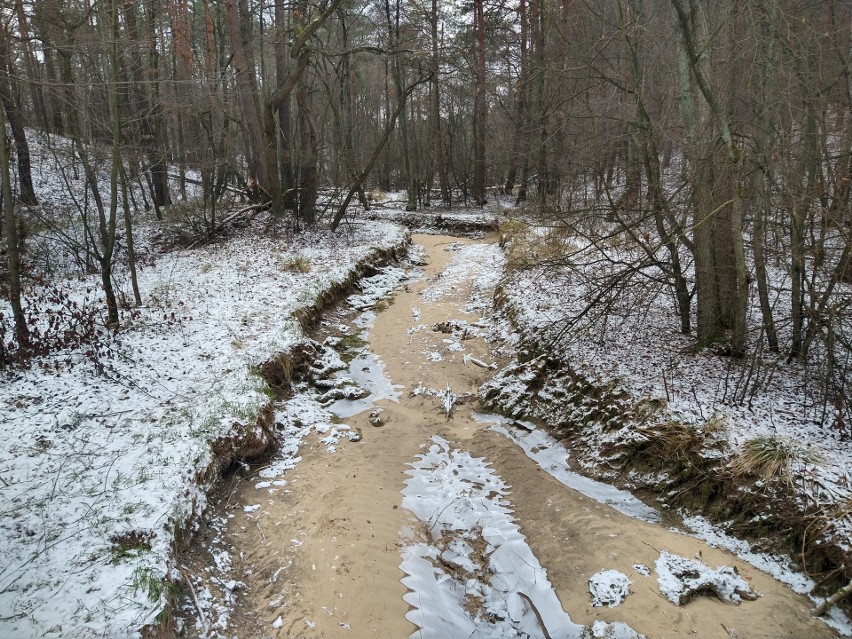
672	439
772	457
526	247
296	264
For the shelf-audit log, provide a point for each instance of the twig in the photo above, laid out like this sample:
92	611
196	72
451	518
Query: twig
478	362
204	625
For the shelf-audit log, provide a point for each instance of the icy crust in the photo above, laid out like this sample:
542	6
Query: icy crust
779	566
462	502
376	288
100	471
609	588
552	457
474	269
681	579
476	576
635	351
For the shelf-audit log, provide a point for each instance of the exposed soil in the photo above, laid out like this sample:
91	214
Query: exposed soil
320	557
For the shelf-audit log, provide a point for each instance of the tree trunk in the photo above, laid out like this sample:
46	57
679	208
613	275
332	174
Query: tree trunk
285	135
308	186
13	255
14	117
479	106
440	160
720	269
522	99
31	67
764	176
239	29
108	226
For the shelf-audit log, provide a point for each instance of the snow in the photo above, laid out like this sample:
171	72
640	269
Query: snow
681	578
608	588
100	471
463	504
779	566
632	346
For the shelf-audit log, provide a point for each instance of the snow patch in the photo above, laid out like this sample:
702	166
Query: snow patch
609	588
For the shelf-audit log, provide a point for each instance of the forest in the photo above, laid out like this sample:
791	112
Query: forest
673	172
715	136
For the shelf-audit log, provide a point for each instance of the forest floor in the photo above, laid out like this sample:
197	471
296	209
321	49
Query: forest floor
391	507
111	446
402	511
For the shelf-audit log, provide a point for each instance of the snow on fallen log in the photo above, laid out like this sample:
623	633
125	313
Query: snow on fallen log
821	609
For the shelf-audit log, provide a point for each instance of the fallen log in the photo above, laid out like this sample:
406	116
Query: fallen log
821	609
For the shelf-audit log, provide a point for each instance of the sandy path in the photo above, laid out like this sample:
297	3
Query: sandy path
321	557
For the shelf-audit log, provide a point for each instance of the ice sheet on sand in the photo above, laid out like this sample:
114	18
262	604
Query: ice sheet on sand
614	630
368	372
477	557
550	455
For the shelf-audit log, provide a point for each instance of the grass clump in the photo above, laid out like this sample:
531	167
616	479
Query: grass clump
771	457
296	264
525	247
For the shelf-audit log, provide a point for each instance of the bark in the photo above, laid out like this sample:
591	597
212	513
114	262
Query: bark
239	30
147	114
285	136
31	67
13	255
128	232
393	22
281	95
521	103
108	226
841	594
646	145
14	116
345	114
440	160
479	106
721	273
308	184
537	33
764	176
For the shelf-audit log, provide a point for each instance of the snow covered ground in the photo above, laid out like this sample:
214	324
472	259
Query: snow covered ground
629	348
100	472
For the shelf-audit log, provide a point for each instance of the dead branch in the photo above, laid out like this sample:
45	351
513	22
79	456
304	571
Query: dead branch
821	609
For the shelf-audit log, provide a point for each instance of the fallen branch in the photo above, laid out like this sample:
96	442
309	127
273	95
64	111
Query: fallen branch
190	180
205	627
478	362
821	609
249	209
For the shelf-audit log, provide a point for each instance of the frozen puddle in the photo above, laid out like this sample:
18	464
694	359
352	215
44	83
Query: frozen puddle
368	372
477	577
551	456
